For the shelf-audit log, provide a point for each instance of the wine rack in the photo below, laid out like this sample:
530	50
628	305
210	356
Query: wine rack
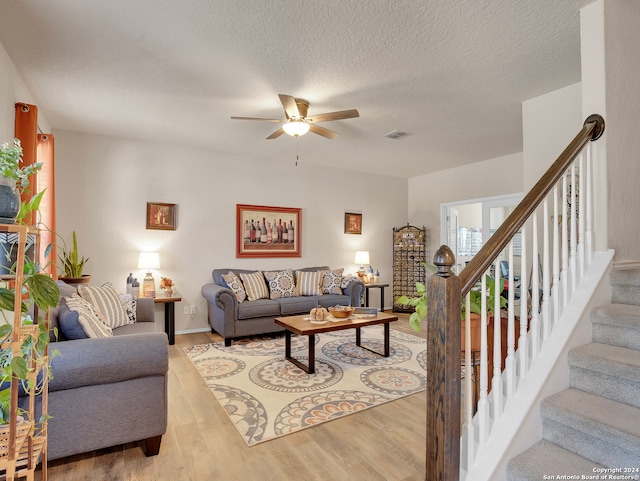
409	253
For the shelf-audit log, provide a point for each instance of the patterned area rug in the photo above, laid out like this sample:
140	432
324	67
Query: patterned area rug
266	396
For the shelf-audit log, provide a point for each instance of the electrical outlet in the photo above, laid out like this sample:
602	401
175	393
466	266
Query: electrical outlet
192	309
185	310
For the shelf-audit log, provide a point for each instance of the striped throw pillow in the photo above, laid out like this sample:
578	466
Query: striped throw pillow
106	301
88	318
309	283
255	286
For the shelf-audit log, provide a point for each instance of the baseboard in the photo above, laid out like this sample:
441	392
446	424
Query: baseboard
619	265
192	331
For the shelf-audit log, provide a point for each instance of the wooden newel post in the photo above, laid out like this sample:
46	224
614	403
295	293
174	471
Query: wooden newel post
443	370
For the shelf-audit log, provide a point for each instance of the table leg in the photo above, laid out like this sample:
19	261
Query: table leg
170	321
310	369
382	300
387	349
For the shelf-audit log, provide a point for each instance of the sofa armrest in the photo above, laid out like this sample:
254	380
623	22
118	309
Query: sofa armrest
144	310
87	362
220	296
355	290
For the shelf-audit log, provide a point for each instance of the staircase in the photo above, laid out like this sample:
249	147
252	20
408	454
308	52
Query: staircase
596	422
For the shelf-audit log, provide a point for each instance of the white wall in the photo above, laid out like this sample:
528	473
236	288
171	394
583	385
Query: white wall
549	122
104	183
474	181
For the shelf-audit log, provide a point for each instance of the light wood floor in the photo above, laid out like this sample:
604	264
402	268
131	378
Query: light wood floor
383	443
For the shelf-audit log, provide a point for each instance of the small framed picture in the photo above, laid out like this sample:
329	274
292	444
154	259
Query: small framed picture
161	216
352	223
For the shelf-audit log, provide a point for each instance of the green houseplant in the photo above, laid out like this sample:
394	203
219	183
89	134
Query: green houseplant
73	264
14	181
419	302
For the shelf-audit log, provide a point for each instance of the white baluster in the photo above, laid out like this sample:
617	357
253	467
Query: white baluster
573	237
509	364
581	223
523	340
564	274
496	382
555	285
535	289
589	207
483	402
546	277
469	388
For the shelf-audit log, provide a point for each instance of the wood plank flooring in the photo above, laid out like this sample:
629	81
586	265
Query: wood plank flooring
380	444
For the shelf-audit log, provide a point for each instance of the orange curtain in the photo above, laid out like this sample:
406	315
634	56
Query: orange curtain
26	129
45	181
38	148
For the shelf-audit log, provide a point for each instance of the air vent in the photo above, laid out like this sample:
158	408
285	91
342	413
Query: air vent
396	134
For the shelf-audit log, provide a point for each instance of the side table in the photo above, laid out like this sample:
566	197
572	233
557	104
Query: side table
374	286
169	313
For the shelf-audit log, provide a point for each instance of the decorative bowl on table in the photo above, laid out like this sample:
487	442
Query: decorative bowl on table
341	311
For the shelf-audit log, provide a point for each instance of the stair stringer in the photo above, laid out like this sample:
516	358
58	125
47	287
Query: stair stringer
520	426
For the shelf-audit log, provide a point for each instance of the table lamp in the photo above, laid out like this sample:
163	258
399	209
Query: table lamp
362	258
148	261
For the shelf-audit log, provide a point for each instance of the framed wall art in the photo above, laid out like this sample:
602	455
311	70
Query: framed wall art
263	231
161	216
352	223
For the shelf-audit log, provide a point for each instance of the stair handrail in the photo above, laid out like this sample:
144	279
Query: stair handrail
592	129
445	291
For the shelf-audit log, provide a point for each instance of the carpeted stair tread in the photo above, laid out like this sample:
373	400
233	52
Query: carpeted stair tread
609	360
622	315
612	426
625	277
546	458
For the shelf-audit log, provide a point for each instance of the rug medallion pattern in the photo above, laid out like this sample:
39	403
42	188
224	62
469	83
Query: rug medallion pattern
266	396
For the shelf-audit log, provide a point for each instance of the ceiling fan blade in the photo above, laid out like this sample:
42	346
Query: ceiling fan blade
276	134
290	106
316	129
258	118
341	115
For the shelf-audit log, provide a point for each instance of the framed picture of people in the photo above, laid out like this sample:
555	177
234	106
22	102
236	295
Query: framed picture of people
161	216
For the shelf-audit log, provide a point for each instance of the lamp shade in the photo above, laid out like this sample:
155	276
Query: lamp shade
296	128
362	257
149	260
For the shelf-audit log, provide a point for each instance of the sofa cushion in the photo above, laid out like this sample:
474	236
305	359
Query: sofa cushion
234	283
297	305
106	301
258	308
137	328
309	283
330	300
281	283
331	282
255	286
88	318
69	324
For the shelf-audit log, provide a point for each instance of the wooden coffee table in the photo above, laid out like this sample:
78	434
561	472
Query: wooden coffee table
302	327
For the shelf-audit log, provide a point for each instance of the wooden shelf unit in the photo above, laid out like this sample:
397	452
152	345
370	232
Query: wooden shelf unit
23	440
409	252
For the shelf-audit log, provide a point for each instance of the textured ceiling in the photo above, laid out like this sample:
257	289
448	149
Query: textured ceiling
453	73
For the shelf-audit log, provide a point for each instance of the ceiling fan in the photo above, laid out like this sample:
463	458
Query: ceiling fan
297	123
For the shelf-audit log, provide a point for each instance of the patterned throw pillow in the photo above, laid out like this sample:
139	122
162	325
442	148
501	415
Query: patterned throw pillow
130	306
106	301
281	283
255	286
235	284
332	281
89	319
310	283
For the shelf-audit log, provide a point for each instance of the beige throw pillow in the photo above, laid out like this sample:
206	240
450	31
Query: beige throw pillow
255	286
106	301
310	283
235	284
88	318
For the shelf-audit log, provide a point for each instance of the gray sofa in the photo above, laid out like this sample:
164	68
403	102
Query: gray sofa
233	320
109	391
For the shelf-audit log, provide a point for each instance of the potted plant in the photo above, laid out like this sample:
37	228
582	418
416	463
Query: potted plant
14	180
73	264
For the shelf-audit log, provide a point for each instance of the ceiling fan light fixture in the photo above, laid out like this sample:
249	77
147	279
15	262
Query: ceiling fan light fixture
296	128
